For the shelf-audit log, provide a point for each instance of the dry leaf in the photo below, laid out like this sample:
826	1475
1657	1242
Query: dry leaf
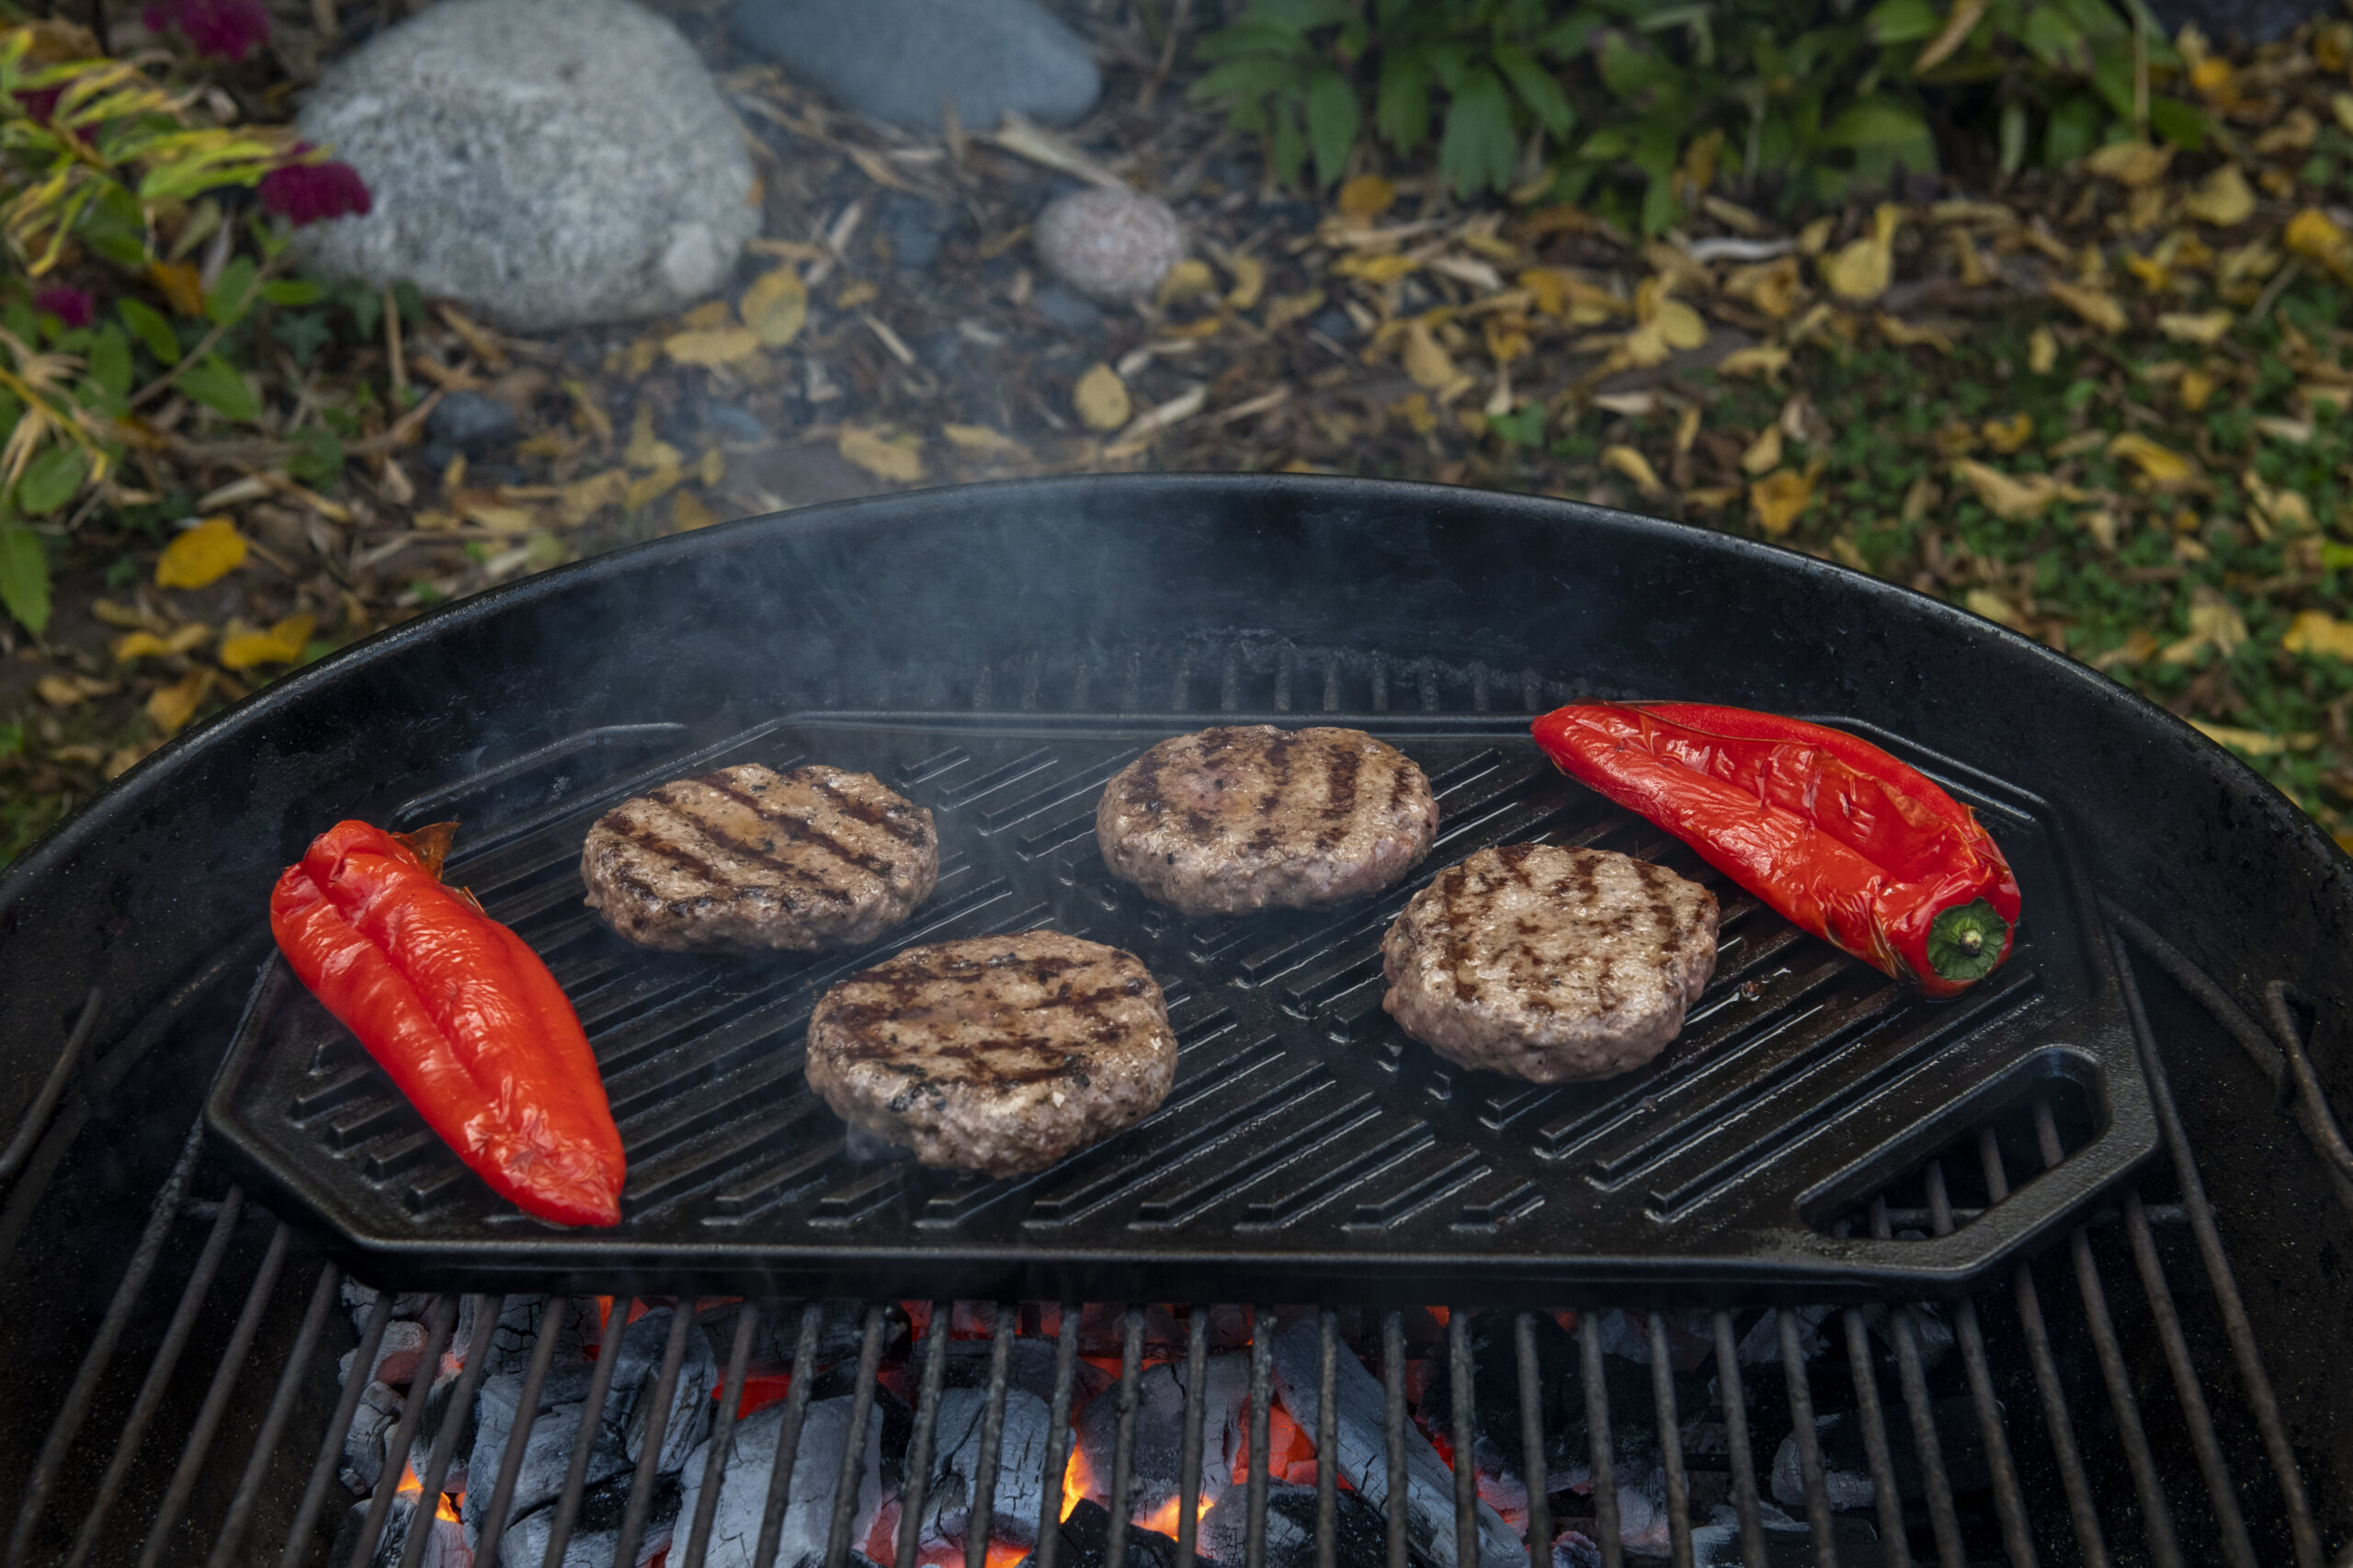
1907	334
1994	608
201	556
2014	498
979	439
2130	163
173	706
1765	359
1249	275
1776	501
1764	454
497	517
1416	413
583	498
65	691
1426	361
645	490
1773	287
2006	436
687	513
897	456
146	644
2193	388
2253	743
1367	196
2313	235
644	450
1963	17
2295	432
775	306
1285	309
1101	398
2161	466
181	285
1643	348
2316	632
2101	523
2222	198
2042	351
719	346
1634	466
1188	278
2097	306
1375	268
1861	269
2202	328
242	647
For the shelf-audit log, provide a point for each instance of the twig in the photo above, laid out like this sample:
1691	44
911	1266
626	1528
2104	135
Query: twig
1178	17
2273	289
204	345
392	341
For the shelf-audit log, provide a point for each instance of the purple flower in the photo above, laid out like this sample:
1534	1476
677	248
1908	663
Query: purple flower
306	193
223	29
71	305
41	103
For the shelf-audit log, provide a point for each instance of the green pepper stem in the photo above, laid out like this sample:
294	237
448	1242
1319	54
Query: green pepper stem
1966	941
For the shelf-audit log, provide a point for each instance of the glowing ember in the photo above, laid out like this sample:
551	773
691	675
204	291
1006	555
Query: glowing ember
1078	1480
443	1507
1163	1520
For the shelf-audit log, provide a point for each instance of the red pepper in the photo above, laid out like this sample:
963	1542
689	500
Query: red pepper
465	1018
1841	839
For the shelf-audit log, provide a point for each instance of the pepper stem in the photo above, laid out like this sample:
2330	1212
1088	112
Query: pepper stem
1966	941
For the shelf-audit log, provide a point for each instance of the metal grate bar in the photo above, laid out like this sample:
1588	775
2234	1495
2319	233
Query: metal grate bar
52	1089
1670	1447
1744	1466
1944	1521
861	1411
2237	1549
927	1436
1123	1447
323	1468
273	1424
70	1414
1602	1454
2156	1517
2058	1422
1893	1544
396	1447
159	1375
722	1437
1818	1493
1464	1430
1058	1441
216	1397
980	1524
453	1424
1188	1457
1533	1466
1393	1388
518	1441
1262	1398
2009	1503
788	1442
2209	1245
1327	1439
2326	1135
657	1426
584	1435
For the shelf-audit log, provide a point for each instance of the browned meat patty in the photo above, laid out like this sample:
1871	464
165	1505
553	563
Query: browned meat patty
1548	963
999	1054
747	858
1238	818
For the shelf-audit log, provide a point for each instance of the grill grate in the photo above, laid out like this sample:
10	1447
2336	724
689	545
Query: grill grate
2038	1473
1308	1145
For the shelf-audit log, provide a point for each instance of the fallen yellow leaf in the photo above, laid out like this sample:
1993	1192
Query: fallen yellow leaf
2097	306
201	556
644	450
1643	348
1679	324
1908	335
718	345
2042	351
1426	361
146	644
181	285
1367	196
775	306
2130	163
979	439
2006	436
2194	389
497	518
1375	268
65	691
687	513
1101	398
2254	743
2222	198
242	648
892	456
1416	413
173	706
1765	359
1285	309
2341	106
2014	498
583	498
1861	268
1764	454
2316	632
709	314
1994	608
646	489
2101	523
1249	275
2313	235
1777	500
2202	328
1634	465
1188	278
2159	465
1773	287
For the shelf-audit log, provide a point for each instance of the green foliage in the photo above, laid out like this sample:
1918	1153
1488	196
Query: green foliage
1799	101
24	576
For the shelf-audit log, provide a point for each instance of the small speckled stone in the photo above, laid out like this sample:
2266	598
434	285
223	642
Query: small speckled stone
1113	244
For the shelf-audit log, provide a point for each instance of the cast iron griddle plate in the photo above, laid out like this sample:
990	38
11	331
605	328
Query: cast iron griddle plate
1309	1151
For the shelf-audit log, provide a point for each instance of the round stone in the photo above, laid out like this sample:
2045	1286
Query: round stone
1113	244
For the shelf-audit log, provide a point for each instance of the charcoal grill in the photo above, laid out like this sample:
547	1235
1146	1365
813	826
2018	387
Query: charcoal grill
156	1412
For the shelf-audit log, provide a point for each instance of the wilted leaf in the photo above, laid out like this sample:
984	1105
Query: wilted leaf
201	556
1426	361
1367	196
647	451
146	644
1776	501
1764	454
2316	632
1908	335
2042	351
65	691
687	512
774	306
497	517
1249	281
1643	348
2313	235
2130	163
1680	325
717	345
2097	306
1861	271
2255	743
1101	398
2159	465
1634	465
173	706
2006	436
1188	278
893	456
2193	388
181	285
241	649
1994	608
1773	287
2222	198
2202	328
1375	268
1765	359
980	438
583	498
2014	498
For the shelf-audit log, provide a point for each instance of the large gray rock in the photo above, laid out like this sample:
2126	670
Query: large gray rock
896	60
550	163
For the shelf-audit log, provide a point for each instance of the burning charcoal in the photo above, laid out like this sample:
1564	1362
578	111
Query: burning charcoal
509	1344
1716	1544
1029	1366
363	1444
1642	1511
956	1449
1761	1345
816	1472
1159	1432
1849	1487
1363	1456
1560	1380
446	1549
840	1330
1690	1337
630	1407
596	1531
1847	1466
1086	1542
1574	1549
396	1356
547	1452
1360	1535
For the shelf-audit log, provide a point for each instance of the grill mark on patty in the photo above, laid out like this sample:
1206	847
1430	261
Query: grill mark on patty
1341	802
874	813
801	831
664	849
724	883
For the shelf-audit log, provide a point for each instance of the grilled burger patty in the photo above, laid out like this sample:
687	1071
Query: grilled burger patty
747	858
1236	818
1548	963
999	1054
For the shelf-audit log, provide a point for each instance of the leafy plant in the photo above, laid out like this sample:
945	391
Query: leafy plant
1645	107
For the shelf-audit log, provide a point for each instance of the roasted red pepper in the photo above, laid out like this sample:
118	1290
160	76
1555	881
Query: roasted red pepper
1841	839
465	1018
